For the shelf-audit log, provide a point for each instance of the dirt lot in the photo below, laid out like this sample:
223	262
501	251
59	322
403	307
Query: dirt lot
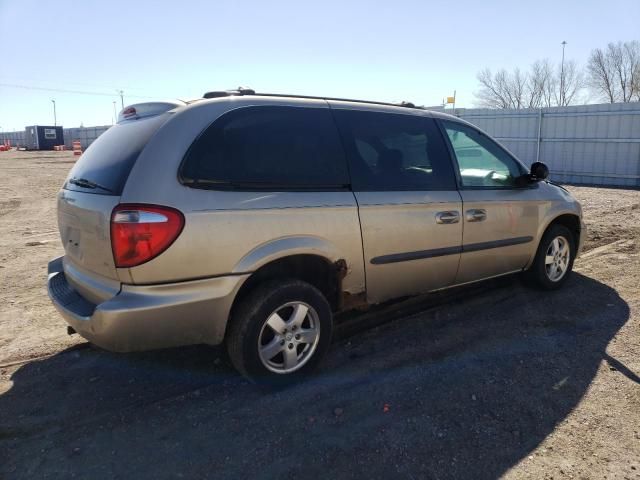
487	381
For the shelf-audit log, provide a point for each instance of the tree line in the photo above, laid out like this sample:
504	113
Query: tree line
612	74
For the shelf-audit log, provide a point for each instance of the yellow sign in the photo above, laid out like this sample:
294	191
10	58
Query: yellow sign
451	99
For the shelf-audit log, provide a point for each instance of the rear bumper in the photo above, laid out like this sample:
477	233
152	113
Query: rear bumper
146	317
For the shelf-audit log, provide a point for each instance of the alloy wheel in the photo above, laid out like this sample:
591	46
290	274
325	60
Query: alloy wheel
289	337
556	260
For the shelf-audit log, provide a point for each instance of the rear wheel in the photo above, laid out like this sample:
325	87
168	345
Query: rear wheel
280	331
554	259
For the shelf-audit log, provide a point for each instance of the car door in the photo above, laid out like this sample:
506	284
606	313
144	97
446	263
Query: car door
500	211
408	204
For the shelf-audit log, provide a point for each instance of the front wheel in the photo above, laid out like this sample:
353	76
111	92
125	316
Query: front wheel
554	259
280	331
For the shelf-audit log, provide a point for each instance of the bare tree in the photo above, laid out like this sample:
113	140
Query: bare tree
629	70
601	77
543	84
539	78
494	89
539	87
519	83
503	89
614	72
570	85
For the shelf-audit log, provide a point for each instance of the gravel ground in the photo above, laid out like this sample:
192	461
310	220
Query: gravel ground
485	381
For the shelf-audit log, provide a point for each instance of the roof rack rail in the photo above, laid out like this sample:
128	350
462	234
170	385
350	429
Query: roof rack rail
229	93
247	91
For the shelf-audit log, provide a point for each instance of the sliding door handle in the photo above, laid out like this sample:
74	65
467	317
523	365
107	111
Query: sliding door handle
476	215
447	217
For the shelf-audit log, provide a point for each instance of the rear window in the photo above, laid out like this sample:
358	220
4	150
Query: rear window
109	159
268	148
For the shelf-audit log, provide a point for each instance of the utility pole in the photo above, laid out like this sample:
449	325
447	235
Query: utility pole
55	120
562	75
115	115
121	93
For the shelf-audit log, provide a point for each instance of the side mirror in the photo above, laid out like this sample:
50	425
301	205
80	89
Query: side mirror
539	171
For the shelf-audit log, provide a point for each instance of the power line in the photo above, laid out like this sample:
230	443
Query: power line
62	90
68	83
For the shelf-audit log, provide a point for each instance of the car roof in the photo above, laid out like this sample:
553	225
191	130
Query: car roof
259	98
245	98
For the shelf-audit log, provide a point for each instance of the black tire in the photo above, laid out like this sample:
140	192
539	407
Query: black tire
250	316
537	274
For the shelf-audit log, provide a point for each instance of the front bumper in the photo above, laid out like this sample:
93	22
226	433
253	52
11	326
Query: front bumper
146	317
583	237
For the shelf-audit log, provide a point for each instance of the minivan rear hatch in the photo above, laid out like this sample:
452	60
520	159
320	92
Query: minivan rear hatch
93	189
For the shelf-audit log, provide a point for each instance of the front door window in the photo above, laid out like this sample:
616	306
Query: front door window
481	161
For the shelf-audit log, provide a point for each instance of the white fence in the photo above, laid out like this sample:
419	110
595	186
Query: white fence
85	135
589	144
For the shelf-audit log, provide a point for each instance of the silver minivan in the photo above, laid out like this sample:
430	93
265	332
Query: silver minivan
250	219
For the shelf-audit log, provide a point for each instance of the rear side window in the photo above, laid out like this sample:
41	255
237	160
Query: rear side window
104	167
394	152
268	148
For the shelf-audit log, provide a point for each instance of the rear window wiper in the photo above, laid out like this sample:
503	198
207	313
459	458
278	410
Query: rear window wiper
84	183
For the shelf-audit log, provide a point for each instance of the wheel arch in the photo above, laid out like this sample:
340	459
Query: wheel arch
322	272
284	247
568	219
572	222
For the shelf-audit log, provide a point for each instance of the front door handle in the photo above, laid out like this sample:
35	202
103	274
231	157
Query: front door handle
476	215
447	217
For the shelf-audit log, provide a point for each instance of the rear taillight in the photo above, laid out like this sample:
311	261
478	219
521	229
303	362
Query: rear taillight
142	232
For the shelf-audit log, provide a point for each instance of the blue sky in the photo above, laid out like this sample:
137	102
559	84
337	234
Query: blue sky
396	50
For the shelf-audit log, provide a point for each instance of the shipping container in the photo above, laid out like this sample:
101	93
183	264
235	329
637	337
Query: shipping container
39	137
